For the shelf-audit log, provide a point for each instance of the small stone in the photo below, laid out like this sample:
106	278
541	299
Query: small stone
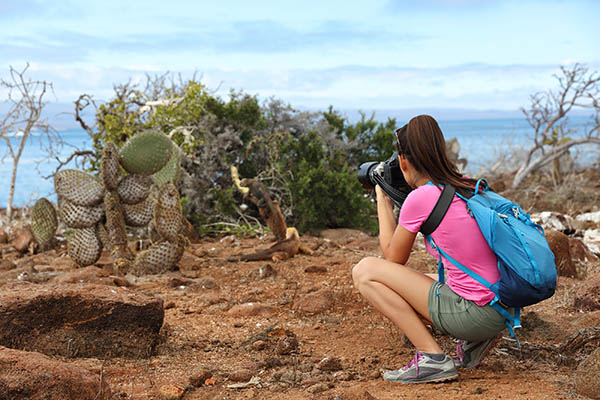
315	269
259	345
22	240
288	376
344	376
287	345
317	388
7	265
241	375
249	309
121	282
207	283
171	392
329	364
264	272
176	282
316	302
199	376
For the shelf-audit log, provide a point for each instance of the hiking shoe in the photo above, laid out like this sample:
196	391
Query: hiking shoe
423	368
470	354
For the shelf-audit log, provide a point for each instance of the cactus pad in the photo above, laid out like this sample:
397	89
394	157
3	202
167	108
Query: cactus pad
134	188
78	187
139	214
110	168
167	212
159	258
115	222
170	172
75	216
44	223
84	246
146	153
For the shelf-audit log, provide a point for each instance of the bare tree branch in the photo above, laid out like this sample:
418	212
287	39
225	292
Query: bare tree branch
548	113
77	153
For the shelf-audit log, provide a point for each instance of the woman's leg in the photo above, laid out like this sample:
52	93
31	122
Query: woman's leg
401	294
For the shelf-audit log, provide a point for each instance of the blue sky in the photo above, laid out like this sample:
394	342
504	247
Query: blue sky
369	55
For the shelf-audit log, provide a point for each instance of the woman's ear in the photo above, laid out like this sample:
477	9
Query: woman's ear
403	163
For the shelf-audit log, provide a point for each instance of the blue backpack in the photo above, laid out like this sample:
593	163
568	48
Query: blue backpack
525	261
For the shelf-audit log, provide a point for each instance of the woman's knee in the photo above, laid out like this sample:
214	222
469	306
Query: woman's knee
361	271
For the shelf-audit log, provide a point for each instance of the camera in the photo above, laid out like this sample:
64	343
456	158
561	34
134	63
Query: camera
388	175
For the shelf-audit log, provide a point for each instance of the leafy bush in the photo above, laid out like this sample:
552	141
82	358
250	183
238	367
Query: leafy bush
308	160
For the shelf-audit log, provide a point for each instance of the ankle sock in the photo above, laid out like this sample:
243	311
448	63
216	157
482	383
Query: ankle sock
436	356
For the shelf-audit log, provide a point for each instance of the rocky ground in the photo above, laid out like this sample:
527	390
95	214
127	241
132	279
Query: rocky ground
294	329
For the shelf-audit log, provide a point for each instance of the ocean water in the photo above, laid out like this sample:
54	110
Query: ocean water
481	142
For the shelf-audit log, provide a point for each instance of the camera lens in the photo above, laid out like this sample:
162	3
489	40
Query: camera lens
365	174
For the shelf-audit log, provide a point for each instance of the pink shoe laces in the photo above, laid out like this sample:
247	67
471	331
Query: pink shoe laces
460	352
415	362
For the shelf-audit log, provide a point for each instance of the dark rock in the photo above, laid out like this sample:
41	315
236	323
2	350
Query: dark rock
79	320
586	376
559	244
33	376
315	302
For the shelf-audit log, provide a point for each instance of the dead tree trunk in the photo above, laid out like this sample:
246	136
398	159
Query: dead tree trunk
24	116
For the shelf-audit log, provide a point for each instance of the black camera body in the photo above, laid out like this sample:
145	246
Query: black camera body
388	175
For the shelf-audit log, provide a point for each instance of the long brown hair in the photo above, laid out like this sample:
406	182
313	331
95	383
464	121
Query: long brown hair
421	141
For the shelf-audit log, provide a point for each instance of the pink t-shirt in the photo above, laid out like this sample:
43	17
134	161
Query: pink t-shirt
459	236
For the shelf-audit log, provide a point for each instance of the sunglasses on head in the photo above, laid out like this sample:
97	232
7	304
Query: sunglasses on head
397	136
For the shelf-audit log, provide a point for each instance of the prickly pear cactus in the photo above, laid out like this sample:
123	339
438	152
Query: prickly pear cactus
44	223
75	216
84	246
146	153
139	214
171	171
100	209
134	188
79	187
159	258
167	213
109	167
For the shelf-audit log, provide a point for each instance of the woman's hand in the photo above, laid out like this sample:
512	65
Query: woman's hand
382	197
395	241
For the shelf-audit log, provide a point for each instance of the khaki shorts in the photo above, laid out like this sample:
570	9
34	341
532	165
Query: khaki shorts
461	318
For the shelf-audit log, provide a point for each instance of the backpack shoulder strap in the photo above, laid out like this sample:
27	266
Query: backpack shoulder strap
439	210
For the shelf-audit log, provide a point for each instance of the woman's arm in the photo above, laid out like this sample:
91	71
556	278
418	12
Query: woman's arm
395	241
